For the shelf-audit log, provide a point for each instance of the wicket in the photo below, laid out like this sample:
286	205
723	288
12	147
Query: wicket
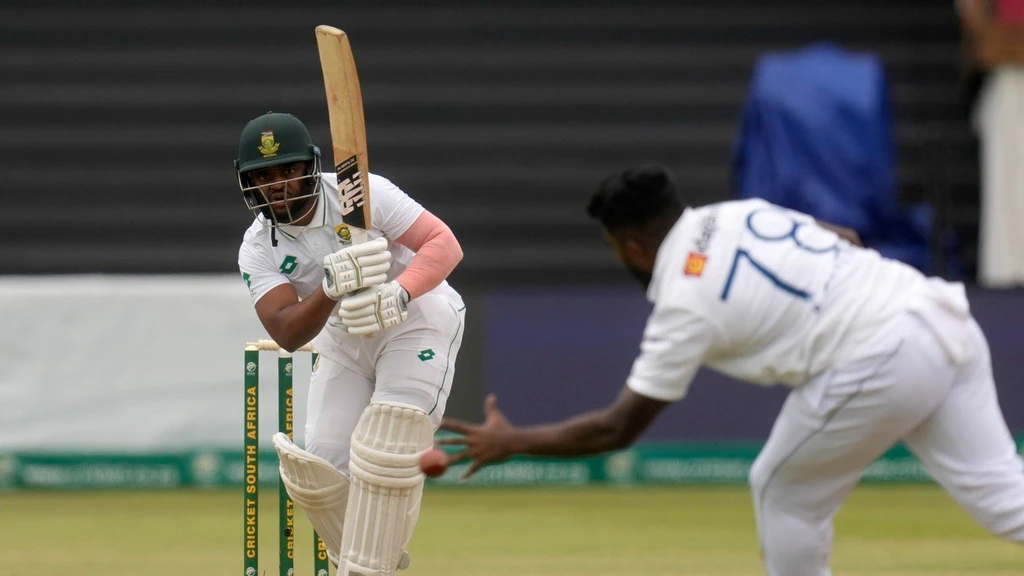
285	421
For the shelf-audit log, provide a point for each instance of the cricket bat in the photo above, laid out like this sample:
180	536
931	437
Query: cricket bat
348	131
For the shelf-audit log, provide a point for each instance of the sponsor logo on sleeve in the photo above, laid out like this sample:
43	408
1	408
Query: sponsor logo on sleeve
707	231
697	260
695	264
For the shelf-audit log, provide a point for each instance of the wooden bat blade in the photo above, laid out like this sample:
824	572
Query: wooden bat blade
348	129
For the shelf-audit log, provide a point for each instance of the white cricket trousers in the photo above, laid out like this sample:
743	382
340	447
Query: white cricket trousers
903	387
412	363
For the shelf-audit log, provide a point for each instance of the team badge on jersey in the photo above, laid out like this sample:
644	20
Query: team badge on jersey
343	233
268	146
695	264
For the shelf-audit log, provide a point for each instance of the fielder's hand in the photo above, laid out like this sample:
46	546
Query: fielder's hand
483	444
375	309
355	267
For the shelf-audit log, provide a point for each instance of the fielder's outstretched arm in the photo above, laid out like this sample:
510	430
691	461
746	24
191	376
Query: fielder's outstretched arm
610	428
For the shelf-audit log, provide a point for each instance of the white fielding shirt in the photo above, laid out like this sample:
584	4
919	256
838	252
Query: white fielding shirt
765	295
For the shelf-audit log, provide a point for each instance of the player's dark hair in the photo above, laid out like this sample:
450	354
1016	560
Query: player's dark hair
636	197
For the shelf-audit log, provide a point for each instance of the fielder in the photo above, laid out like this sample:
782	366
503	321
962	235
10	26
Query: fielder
386	323
874	351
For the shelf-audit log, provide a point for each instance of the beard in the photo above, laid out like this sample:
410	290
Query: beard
295	204
643	277
293	210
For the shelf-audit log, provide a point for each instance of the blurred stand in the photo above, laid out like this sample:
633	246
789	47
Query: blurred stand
993	64
817	136
499	117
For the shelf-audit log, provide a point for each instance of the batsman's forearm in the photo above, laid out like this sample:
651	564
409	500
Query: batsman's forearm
301	322
590	433
437	254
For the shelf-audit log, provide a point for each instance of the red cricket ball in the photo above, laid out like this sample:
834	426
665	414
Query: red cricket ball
434	462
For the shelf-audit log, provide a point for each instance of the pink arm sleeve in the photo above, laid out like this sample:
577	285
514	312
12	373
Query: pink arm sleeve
437	253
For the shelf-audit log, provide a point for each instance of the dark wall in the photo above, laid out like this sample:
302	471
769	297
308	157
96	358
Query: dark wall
119	121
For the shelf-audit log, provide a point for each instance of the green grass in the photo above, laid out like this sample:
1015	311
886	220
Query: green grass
882	531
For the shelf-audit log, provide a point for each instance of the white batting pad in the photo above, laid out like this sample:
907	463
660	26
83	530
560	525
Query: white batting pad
387	486
316	487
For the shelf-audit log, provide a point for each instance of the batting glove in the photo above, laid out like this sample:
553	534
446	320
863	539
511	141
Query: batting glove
375	309
355	267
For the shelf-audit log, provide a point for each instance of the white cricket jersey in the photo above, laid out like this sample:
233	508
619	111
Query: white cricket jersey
763	294
300	251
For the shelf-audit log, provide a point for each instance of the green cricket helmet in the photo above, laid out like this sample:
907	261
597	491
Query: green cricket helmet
275	139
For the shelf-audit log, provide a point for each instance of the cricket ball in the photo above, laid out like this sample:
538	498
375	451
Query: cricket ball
434	462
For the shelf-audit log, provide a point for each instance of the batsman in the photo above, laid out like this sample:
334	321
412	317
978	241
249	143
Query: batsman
385	321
